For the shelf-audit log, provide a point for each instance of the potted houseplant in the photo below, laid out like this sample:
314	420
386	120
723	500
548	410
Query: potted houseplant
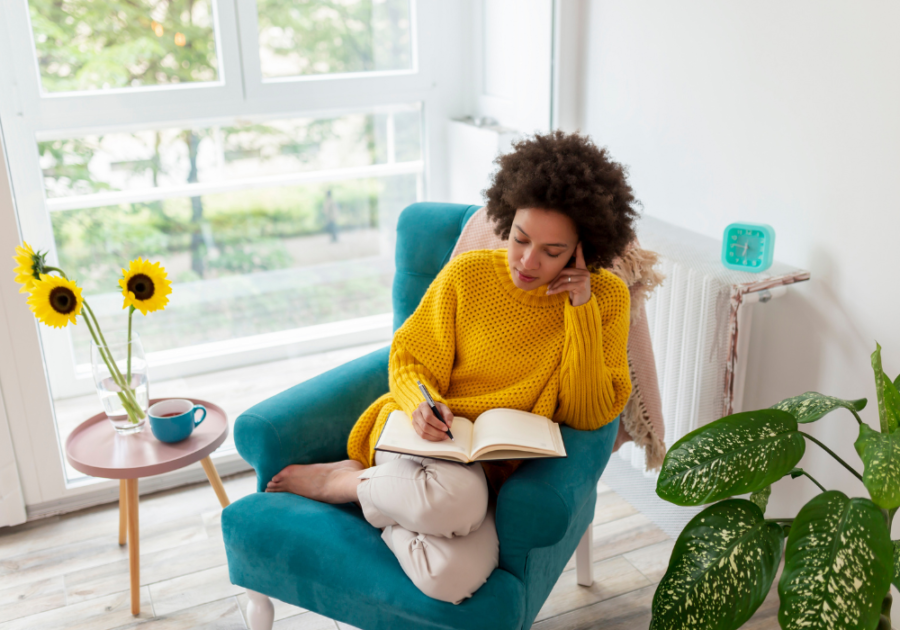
839	560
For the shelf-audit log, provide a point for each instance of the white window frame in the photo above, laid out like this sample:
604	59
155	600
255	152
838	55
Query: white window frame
27	115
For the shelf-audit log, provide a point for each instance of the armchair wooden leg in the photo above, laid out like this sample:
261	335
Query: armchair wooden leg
584	568
260	611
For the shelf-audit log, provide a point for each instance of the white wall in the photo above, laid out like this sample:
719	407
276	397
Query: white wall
786	113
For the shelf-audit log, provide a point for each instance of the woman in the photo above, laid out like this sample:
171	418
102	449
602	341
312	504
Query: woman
528	327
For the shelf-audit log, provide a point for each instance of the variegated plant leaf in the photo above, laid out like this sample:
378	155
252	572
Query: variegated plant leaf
896	574
761	498
743	452
880	453
811	406
837	565
888	396
720	571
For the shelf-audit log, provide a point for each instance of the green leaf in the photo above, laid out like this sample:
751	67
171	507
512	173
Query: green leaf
880	453
720	571
811	406
837	565
888	396
896	579
761	498
743	452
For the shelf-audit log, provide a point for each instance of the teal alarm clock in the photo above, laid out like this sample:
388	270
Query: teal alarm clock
748	246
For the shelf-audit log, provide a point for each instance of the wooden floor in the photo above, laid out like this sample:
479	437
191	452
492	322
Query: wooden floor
69	571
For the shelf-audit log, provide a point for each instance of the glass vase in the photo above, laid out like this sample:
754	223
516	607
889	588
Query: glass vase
125	406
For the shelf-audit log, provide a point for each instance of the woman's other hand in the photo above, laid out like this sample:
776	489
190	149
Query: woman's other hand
428	426
576	280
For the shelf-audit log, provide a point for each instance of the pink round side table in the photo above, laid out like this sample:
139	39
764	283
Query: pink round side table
95	449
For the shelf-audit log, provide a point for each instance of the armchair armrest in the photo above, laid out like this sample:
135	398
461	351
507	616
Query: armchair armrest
310	422
541	499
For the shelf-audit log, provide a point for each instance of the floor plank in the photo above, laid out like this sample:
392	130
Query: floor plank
199	587
612	577
32	597
103	613
69	572
223	614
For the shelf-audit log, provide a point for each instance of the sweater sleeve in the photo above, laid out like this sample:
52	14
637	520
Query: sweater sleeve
424	347
594	379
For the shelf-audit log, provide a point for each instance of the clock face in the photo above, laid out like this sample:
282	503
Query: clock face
748	246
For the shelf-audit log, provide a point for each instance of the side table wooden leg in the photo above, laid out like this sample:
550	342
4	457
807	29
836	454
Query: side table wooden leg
123	514
134	554
215	481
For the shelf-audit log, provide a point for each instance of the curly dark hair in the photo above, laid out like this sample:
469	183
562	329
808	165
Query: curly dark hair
566	173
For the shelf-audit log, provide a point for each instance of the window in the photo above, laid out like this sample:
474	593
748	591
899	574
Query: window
309	38
261	151
90	45
262	226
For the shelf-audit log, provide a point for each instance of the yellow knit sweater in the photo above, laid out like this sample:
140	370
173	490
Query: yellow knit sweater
478	342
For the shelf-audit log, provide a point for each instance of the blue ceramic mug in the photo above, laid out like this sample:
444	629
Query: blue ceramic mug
173	420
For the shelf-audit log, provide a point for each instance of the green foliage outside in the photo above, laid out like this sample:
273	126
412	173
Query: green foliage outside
245	226
91	44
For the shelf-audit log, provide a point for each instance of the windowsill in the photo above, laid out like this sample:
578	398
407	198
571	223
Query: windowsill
234	390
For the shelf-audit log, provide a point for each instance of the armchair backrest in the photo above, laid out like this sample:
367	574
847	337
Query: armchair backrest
426	235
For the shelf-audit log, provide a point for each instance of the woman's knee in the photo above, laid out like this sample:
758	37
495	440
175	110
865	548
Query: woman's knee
457	568
457	499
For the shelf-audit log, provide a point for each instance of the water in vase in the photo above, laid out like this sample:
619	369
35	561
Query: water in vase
112	404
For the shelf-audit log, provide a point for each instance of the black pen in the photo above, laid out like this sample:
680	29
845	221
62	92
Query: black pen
434	408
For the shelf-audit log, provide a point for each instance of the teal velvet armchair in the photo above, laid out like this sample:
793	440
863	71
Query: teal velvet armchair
329	559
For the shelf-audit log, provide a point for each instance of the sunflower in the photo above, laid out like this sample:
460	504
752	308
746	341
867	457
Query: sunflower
145	286
55	301
31	265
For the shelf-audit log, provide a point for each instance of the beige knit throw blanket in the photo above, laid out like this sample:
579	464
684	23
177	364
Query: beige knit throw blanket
642	420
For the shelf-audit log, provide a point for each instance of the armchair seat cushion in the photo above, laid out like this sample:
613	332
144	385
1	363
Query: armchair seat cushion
329	559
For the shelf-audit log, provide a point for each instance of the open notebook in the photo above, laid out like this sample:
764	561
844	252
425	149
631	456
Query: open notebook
497	434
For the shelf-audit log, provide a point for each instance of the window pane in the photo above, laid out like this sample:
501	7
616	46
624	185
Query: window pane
259	261
103	44
308	37
166	158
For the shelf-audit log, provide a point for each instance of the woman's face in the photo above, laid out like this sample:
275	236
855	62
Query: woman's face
541	243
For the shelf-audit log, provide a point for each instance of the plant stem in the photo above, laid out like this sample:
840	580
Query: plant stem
130	313
856	415
833	454
113	367
129	407
57	269
811	478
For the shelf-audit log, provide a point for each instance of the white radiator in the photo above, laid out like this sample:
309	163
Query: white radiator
699	321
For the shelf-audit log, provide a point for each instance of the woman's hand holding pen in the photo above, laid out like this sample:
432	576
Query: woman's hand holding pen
427	424
576	280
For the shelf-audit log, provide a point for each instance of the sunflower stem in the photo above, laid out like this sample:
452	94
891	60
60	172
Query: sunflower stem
130	408
61	272
114	370
130	313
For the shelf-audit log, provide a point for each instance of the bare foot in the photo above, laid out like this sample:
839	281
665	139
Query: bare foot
334	482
